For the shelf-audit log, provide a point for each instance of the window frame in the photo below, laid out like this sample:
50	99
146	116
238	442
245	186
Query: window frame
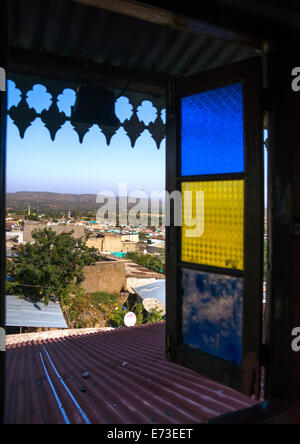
246	377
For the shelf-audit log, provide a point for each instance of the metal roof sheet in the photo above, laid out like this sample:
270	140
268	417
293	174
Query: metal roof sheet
156	290
23	313
129	382
135	270
89	34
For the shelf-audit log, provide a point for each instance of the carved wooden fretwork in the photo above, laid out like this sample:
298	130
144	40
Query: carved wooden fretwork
23	115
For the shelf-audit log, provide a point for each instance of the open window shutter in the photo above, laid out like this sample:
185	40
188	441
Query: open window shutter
215	259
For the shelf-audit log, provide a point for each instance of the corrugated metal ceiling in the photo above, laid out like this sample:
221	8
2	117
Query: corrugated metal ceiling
66	28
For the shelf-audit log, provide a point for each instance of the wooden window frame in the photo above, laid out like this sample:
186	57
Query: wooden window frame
245	378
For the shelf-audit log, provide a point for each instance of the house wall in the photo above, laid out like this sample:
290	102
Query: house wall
112	243
95	242
29	228
130	237
129	247
105	276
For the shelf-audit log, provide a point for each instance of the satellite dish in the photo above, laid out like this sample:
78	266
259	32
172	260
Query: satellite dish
130	319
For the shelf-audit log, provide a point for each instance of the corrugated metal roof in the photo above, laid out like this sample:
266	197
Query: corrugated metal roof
89	34
23	313
129	382
138	271
156	290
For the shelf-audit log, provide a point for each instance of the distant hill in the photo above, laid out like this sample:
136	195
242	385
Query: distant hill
53	203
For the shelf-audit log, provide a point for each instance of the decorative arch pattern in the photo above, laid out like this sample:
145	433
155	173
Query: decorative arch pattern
23	115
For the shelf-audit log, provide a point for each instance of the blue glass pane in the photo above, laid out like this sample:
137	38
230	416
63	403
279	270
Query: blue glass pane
212	132
212	314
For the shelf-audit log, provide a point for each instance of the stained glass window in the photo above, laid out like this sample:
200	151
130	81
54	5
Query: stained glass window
213	223
212	131
212	313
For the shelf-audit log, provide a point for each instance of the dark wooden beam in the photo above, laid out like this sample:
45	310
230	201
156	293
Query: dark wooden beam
257	28
283	308
3	58
62	68
180	21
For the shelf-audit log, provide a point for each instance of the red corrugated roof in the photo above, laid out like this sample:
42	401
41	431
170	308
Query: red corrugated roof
129	382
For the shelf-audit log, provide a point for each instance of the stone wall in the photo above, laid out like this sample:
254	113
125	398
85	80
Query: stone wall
112	243
30	227
95	242
109	243
129	247
105	276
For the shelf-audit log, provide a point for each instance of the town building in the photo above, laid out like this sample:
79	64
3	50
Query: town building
30	227
113	243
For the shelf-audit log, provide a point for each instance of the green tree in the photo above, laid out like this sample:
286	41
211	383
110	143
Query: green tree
118	312
155	315
52	267
32	217
142	236
152	262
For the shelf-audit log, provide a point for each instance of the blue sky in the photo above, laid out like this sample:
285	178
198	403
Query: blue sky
66	166
35	163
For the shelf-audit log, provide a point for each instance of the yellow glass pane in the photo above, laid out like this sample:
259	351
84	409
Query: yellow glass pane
213	223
